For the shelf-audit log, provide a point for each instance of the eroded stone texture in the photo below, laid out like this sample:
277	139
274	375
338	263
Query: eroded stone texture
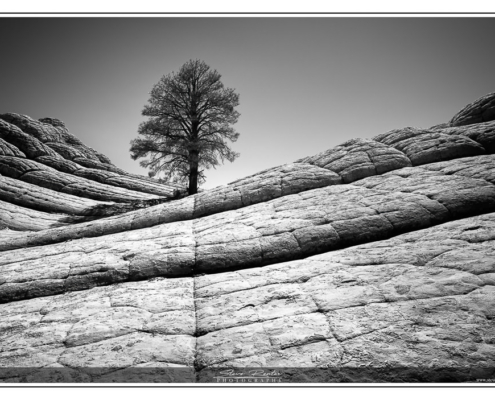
53	133
27	144
107	177
409	308
481	110
7	149
370	262
451	191
269	184
47	177
482	167
424	146
263	186
38	198
24	219
359	158
163	213
94	335
38	151
165	250
353	160
483	133
49	142
282	229
217	200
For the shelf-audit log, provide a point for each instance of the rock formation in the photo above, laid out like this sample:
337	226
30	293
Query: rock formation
370	262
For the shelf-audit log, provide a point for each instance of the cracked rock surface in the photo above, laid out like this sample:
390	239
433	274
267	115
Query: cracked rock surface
370	262
419	299
481	110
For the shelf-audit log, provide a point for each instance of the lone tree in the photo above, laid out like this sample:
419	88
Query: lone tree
190	117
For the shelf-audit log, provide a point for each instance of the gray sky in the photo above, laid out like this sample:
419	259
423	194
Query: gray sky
305	84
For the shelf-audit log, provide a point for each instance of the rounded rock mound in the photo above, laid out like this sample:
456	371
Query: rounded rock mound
372	261
481	110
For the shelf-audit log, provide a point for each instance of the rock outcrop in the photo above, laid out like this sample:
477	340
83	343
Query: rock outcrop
370	262
482	110
49	178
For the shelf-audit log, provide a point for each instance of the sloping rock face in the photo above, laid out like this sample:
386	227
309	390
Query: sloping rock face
371	262
49	178
482	110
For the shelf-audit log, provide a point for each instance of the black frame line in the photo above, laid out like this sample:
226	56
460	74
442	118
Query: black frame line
268	386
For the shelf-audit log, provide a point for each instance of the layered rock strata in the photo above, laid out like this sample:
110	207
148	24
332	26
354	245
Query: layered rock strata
391	310
50	178
370	262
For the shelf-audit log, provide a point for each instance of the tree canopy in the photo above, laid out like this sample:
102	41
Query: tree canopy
191	115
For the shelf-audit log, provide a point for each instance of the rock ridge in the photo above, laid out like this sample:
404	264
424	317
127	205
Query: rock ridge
369	262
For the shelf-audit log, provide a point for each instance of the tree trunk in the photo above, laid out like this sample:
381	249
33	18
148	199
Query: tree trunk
194	152
193	172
